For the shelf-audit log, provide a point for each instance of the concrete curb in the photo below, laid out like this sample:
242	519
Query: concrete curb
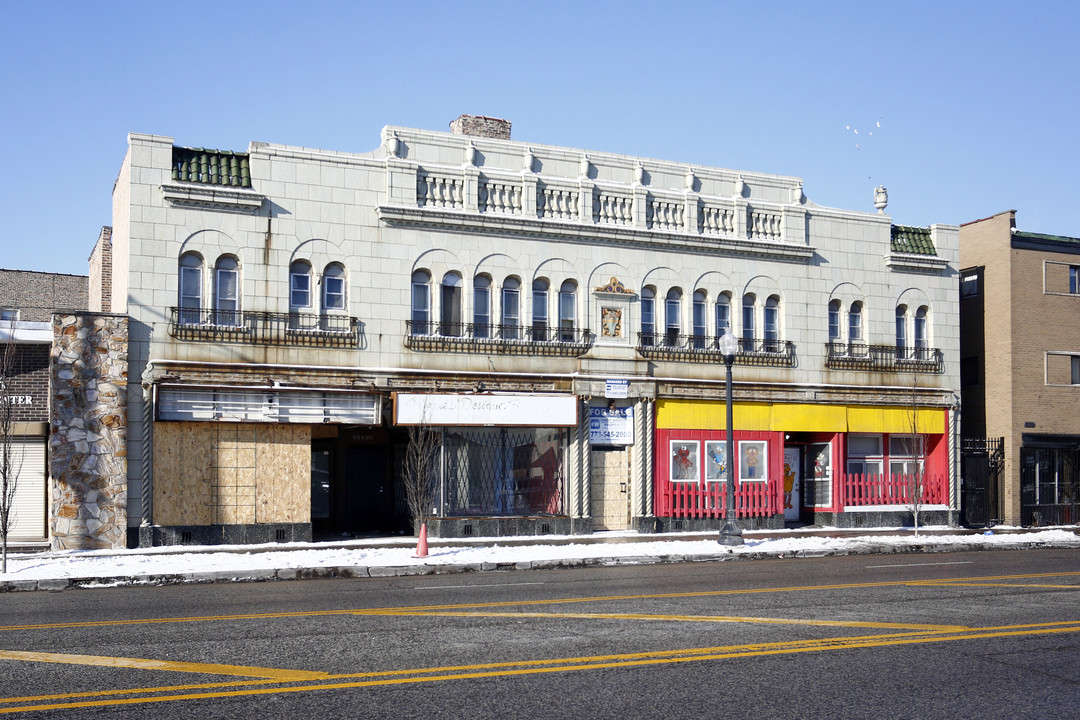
352	572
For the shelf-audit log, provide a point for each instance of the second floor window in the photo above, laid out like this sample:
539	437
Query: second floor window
672	322
901	328
855	322
920	333
834	321
421	303
540	310
723	314
772	324
333	288
699	319
648	316
450	305
190	289
567	311
482	306
299	286
227	291
511	308
748	307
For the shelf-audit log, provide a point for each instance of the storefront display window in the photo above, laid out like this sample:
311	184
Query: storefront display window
504	471
684	461
753	461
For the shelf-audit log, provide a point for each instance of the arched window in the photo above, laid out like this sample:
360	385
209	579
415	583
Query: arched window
772	324
450	305
748	307
481	306
540	310
421	303
227	291
648	316
855	322
834	321
299	286
511	308
333	294
699	319
723	314
901	330
920	333
672	323
191	289
567	311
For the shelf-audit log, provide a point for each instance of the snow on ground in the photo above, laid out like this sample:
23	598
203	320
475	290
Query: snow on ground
240	559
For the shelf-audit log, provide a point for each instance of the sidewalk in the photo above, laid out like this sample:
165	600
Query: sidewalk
396	556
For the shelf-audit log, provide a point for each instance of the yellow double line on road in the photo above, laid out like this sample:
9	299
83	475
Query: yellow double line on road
263	681
487	670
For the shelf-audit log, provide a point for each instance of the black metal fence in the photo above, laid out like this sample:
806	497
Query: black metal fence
982	461
536	339
857	356
1049	486
263	328
706	348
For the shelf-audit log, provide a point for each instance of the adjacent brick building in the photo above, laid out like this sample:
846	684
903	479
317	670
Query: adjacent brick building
1020	364
28	300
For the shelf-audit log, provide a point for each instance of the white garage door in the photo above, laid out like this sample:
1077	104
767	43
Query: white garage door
28	512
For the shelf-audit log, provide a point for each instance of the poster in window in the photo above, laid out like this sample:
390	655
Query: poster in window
753	460
821	458
715	461
684	461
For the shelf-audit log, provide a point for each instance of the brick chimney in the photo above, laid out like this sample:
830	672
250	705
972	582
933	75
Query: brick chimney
100	294
481	126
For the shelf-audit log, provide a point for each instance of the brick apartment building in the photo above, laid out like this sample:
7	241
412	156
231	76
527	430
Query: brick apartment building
1020	364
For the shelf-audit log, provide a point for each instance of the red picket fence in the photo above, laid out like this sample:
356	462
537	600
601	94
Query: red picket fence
861	490
695	500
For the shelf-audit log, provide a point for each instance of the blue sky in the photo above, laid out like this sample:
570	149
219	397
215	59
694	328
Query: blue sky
978	103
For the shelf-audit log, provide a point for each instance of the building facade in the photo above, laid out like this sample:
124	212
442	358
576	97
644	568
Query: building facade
27	302
552	313
1020	369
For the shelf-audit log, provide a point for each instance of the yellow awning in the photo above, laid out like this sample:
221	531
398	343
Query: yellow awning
797	417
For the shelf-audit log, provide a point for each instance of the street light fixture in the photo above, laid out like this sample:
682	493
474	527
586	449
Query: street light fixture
730	533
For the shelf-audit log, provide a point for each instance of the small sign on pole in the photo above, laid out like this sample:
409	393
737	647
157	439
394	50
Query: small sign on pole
616	389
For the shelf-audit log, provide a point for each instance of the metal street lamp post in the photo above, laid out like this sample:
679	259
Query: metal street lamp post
730	533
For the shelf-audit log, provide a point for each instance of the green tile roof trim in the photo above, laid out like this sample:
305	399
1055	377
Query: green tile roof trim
211	167
915	240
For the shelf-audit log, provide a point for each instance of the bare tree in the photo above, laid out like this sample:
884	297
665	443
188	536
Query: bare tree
421	472
914	475
9	462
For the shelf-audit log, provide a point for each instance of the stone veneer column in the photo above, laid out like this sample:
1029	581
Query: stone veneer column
88	439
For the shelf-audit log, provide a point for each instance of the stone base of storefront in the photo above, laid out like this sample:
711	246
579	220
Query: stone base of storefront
159	535
667	524
881	518
457	527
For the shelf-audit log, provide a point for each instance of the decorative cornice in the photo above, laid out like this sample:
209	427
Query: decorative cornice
213	197
908	262
592	233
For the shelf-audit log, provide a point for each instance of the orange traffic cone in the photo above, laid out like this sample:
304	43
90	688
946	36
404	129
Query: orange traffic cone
421	545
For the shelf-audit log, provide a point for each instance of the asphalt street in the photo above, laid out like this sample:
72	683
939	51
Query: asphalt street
978	634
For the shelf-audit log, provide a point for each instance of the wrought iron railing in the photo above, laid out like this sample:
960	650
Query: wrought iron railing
501	339
705	348
889	358
263	328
